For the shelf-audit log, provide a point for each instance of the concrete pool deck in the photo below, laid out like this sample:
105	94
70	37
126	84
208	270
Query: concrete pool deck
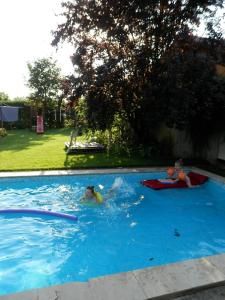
202	278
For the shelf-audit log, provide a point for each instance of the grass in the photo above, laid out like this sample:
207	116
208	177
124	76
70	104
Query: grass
25	150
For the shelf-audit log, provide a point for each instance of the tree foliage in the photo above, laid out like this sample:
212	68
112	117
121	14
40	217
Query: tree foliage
193	92
4	97
44	80
121	51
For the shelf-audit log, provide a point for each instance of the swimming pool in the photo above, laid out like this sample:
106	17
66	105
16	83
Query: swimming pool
137	228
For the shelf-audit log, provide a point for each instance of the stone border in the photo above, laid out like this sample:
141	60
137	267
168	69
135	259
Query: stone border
103	171
78	172
162	282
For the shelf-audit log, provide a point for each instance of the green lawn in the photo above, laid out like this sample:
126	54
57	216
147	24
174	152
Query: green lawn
25	150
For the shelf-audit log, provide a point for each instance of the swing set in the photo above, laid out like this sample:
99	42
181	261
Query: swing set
73	146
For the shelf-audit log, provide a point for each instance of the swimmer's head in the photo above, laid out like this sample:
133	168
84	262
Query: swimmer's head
170	171
178	164
90	191
182	176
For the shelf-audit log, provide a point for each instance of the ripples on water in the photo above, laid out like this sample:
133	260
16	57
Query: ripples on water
137	227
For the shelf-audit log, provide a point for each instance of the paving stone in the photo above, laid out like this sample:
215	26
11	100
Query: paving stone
218	261
121	286
76	291
33	295
69	291
174	278
49	293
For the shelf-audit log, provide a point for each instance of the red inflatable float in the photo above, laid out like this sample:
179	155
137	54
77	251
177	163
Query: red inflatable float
196	179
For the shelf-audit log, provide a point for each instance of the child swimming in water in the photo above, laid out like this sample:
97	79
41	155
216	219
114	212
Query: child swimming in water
95	197
92	196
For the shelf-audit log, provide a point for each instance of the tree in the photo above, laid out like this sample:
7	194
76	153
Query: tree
44	80
64	92
119	49
4	97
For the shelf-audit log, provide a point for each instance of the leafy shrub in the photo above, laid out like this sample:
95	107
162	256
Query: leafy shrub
119	139
98	136
68	123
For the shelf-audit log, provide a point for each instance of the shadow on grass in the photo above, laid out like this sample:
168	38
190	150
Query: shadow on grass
18	140
104	160
85	160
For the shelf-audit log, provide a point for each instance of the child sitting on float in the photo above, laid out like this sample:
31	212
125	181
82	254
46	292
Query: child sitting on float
176	174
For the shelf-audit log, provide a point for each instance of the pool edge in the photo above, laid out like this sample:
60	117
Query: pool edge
102	171
162	282
77	172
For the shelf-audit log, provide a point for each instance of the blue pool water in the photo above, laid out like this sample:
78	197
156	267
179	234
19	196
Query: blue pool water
137	228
